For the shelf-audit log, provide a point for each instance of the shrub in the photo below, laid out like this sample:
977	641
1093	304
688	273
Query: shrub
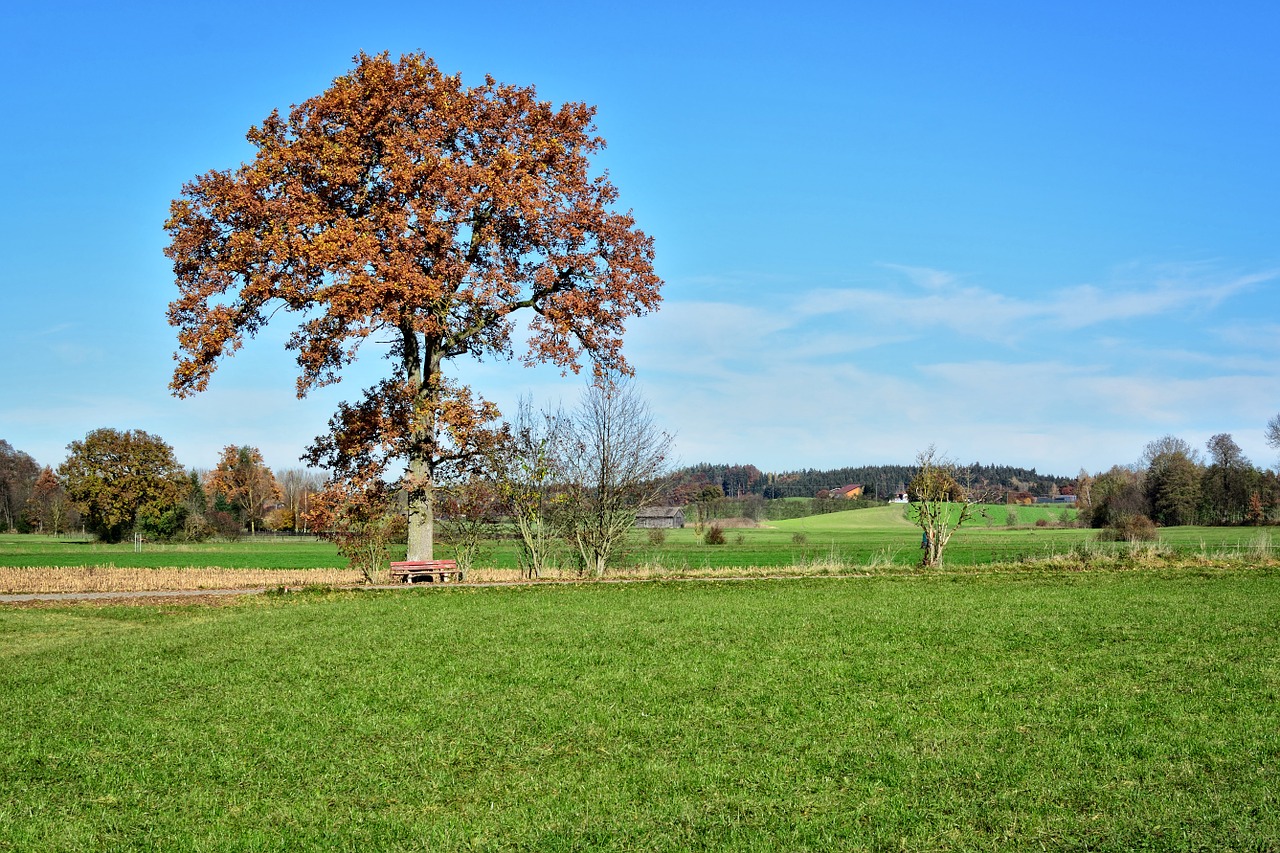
165	527
799	539
226	524
1042	522
714	536
1129	528
657	536
197	529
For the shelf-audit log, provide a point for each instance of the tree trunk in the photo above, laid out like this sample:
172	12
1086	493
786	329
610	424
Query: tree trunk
421	513
422	369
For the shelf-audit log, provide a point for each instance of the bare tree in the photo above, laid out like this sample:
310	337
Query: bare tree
1273	432
940	505
616	462
468	515
299	485
529	473
1167	447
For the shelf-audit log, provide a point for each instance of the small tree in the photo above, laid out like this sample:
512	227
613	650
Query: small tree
469	514
49	504
940	506
1129	528
362	520
1117	494
529	470
246	482
615	464
222	523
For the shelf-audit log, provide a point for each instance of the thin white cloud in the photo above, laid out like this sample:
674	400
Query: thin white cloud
1255	336
925	277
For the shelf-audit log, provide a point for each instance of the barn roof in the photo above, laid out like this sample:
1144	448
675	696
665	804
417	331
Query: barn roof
659	512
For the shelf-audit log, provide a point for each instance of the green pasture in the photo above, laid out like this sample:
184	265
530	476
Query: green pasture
1091	711
880	536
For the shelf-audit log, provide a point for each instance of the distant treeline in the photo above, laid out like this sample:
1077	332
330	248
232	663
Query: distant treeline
880	482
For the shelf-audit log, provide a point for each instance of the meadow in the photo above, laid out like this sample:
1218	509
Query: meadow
1043	690
1085	711
877	540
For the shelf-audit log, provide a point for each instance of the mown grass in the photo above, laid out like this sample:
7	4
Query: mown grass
1093	711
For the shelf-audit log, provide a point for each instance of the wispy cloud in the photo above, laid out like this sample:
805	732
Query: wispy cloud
939	299
832	374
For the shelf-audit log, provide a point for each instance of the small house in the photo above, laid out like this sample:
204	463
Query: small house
660	516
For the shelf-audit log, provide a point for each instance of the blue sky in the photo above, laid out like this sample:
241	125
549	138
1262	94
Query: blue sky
1033	234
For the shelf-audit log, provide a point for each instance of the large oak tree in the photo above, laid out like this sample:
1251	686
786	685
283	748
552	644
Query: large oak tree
402	205
117	479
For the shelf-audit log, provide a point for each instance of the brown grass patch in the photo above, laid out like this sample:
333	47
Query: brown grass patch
42	579
159	599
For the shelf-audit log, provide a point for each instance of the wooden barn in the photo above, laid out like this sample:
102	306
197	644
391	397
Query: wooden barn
660	516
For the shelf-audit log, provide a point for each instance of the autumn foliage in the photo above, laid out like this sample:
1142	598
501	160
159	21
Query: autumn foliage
402	205
118	479
361	521
245	481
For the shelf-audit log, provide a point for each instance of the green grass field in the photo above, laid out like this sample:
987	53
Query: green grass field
1088	711
881	536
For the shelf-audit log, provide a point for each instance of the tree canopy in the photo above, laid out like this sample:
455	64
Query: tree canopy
118	479
18	474
401	205
244	479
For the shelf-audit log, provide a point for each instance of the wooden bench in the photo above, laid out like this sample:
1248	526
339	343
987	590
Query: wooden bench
412	571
